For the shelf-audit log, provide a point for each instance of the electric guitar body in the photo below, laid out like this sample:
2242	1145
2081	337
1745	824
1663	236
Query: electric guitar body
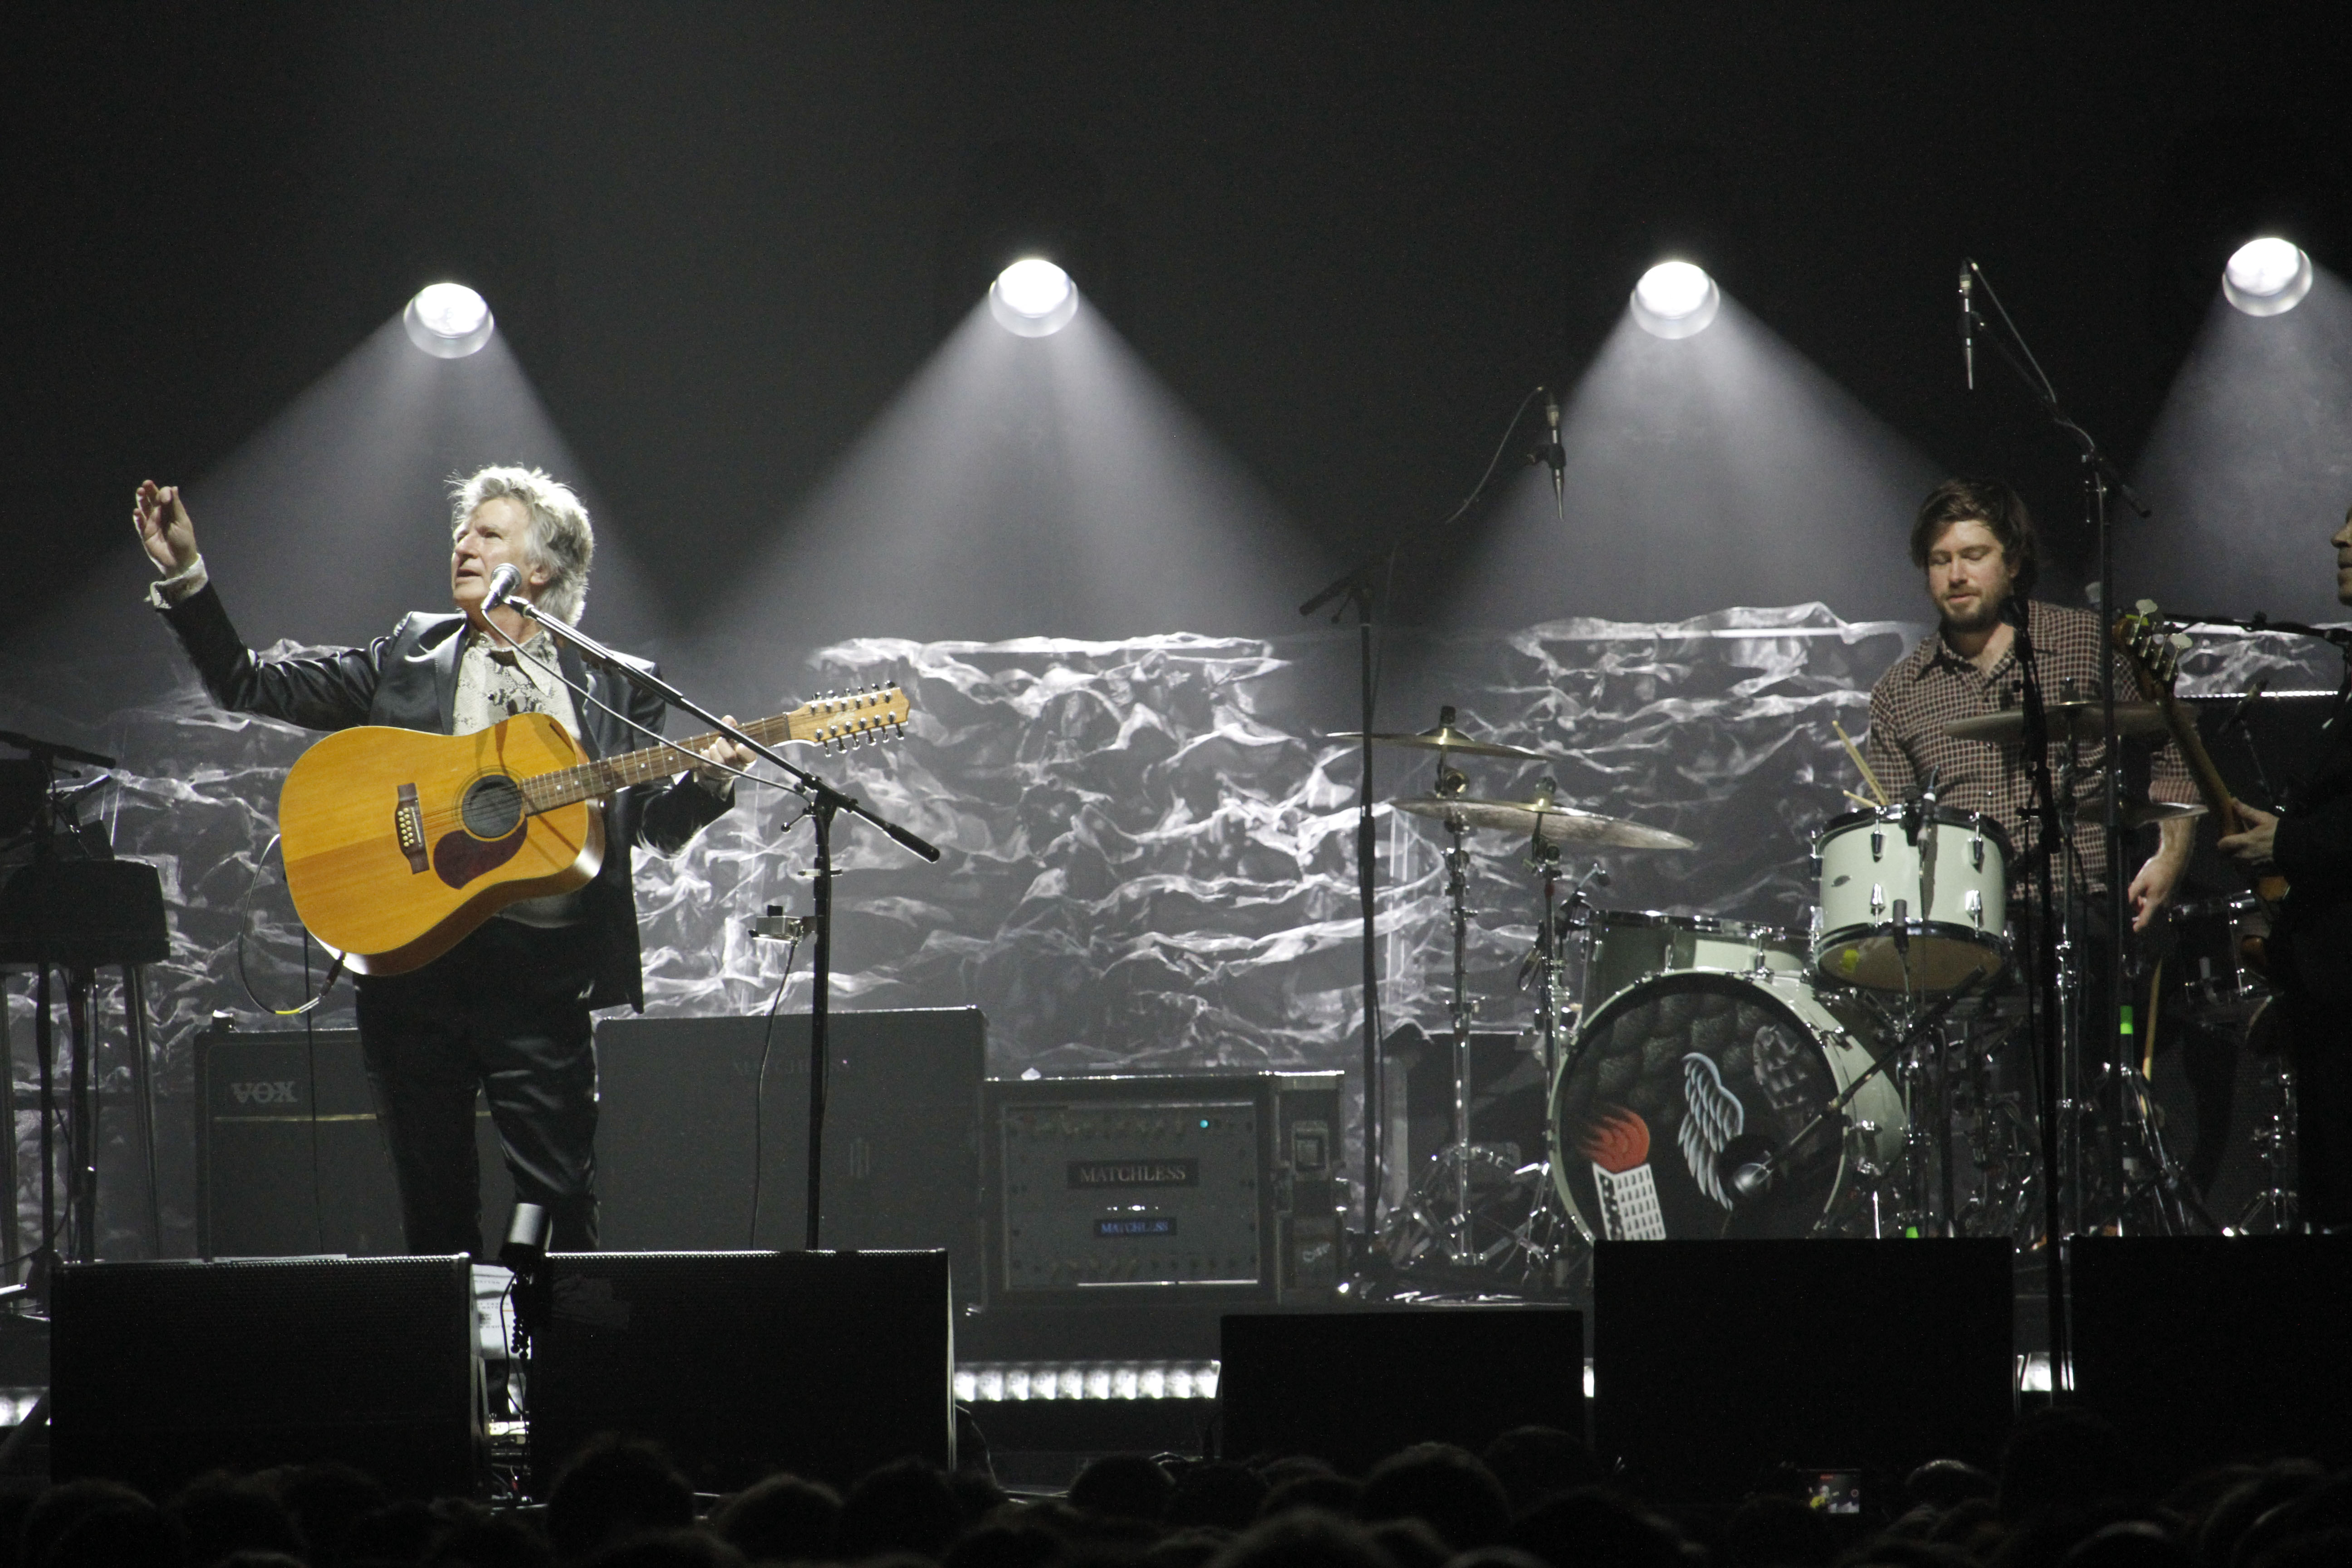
399	843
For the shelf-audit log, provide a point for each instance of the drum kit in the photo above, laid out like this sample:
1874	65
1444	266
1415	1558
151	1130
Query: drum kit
1866	1077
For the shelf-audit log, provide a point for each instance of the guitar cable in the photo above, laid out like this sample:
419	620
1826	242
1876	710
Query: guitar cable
759	1091
245	924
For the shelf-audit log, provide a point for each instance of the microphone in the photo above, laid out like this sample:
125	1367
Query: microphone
2239	710
503	582
1969	320
1556	455
2012	610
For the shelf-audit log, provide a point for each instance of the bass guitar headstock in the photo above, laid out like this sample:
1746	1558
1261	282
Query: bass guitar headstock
840	719
2153	647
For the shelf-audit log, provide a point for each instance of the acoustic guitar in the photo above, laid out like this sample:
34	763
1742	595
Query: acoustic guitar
399	843
2153	650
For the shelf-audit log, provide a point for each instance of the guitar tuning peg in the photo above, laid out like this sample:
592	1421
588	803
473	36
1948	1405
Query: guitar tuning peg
2182	641
2147	607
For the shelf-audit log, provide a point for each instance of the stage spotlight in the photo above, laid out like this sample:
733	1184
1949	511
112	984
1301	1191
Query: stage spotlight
1033	298
2267	277
1674	299
448	321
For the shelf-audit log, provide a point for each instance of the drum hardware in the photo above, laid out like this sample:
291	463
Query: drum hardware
2214	938
2071	720
1548	824
2275	1149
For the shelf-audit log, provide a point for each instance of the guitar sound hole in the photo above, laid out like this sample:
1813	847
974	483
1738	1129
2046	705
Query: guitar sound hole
493	808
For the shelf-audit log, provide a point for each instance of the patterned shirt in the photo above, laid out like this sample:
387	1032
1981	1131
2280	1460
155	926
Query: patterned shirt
494	685
1933	685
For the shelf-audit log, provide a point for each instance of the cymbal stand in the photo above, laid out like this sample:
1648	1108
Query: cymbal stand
2273	1208
1459	1242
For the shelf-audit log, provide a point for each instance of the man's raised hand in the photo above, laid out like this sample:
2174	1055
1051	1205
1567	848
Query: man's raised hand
164	531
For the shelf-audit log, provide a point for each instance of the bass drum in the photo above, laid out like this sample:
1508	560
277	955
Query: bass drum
1668	1072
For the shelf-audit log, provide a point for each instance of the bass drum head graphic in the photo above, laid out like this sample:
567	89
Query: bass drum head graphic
1670	1071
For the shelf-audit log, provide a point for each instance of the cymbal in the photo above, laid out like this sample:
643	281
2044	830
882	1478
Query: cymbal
1561	824
2140	813
2078	721
1444	738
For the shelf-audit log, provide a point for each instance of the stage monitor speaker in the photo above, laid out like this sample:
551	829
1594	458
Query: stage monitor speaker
2206	1349
825	1363
289	1159
160	1371
1713	1361
1354	1387
676	1133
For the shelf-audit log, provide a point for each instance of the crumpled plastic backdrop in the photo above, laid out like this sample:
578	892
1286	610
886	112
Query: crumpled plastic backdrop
1147	844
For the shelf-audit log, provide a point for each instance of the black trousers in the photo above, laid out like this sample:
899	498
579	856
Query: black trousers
2319	1040
505	1011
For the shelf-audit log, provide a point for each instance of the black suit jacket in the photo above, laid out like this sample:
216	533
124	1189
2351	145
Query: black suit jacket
408	678
2314	853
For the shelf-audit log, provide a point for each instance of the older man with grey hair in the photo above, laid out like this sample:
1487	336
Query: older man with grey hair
506	1010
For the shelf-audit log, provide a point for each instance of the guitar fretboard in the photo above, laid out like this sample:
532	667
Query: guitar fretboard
565	787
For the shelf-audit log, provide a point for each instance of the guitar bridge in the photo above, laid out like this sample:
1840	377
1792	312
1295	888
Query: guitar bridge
408	827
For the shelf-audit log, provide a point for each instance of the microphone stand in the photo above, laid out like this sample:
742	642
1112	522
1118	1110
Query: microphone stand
824	803
2101	478
1354	587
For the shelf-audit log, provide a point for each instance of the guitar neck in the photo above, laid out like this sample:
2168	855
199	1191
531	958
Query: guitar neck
2209	787
588	780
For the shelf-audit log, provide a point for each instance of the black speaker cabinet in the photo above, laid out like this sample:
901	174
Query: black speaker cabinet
1218	1186
289	1159
1713	1361
2206	1349
676	1133
740	1364
160	1371
1354	1387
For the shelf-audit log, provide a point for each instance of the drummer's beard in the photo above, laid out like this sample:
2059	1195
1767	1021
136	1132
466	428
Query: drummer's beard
1980	613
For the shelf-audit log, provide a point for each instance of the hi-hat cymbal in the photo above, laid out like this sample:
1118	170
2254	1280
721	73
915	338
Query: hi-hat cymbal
1444	738
2139	813
2083	720
1561	824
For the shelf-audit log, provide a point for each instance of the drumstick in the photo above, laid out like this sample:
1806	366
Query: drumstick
1862	799
1856	753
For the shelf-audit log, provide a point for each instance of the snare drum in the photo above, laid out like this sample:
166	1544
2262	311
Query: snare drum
1913	898
1624	947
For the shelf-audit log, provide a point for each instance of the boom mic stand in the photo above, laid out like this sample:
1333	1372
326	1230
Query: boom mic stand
824	803
1356	589
2100	478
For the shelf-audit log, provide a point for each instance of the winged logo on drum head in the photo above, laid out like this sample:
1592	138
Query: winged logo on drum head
1715	1118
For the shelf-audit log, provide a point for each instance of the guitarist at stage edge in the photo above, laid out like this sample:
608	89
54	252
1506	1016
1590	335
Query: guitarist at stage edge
507	1009
2309	956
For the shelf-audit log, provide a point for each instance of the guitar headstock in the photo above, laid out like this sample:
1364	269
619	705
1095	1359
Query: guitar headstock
2153	646
840	719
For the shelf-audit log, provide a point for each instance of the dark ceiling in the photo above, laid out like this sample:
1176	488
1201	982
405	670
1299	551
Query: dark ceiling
721	236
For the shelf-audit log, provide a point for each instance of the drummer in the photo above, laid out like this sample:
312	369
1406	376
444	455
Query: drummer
1974	541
